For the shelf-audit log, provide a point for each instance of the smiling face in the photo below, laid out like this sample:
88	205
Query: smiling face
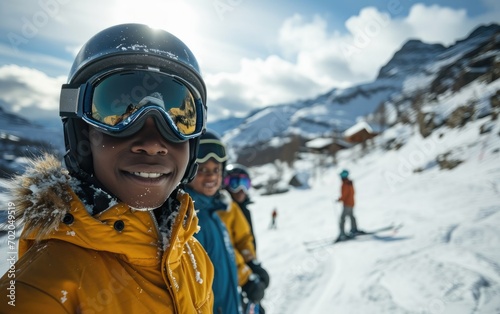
141	170
208	179
239	196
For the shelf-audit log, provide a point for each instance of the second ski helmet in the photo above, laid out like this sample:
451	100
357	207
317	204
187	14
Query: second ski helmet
344	174
211	146
159	65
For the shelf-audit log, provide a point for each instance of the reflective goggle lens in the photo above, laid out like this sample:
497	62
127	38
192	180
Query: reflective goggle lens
120	99
235	183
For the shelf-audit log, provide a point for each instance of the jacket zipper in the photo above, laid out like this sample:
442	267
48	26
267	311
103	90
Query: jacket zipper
157	227
162	267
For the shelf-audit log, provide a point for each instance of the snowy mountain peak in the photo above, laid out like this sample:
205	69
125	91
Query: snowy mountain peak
417	73
410	59
10	118
483	31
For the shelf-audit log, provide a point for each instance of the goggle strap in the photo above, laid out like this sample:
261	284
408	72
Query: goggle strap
68	103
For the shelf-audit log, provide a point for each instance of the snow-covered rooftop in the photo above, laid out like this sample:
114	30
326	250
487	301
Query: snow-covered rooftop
358	127
319	142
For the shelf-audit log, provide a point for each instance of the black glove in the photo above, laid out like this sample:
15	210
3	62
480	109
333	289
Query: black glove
257	269
254	288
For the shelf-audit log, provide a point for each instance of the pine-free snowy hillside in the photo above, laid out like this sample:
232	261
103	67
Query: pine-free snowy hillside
445	258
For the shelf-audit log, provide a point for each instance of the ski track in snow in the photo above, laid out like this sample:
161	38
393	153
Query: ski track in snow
445	259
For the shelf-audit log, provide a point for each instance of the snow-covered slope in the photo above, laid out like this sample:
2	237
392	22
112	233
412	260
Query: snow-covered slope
21	139
445	258
17	126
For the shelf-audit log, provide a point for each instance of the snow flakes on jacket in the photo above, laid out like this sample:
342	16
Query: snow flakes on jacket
117	261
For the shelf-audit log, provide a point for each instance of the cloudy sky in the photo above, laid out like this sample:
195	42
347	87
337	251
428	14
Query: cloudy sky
252	53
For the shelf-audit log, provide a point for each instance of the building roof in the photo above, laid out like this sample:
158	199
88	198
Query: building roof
358	127
322	142
319	142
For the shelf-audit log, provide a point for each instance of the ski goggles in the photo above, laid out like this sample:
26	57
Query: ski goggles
237	182
119	103
211	148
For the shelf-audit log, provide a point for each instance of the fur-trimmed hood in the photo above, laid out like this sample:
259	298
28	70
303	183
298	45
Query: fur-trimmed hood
48	207
42	195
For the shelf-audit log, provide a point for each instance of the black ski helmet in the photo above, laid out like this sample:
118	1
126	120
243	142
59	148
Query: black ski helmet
127	47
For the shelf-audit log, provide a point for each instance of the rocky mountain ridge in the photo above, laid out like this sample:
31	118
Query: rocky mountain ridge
418	76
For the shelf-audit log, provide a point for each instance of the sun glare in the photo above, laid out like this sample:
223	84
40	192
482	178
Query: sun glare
177	17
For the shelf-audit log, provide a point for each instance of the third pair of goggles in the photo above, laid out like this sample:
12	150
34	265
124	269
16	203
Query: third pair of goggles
237	182
118	103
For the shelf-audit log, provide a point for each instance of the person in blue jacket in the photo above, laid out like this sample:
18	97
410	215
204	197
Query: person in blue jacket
213	234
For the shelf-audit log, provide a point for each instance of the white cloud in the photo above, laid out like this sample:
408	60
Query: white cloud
26	90
296	34
258	82
435	24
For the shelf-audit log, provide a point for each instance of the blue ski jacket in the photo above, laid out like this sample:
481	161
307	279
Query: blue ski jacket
214	237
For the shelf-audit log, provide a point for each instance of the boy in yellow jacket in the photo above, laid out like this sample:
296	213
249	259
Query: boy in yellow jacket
113	233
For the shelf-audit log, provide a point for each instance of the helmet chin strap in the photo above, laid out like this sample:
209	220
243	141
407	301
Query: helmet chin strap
190	173
192	169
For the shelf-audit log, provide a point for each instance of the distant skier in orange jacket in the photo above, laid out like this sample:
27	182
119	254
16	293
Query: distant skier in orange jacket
347	198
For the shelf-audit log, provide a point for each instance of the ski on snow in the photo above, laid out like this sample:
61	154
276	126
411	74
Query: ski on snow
317	244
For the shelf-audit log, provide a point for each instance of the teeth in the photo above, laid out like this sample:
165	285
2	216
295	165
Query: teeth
147	174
